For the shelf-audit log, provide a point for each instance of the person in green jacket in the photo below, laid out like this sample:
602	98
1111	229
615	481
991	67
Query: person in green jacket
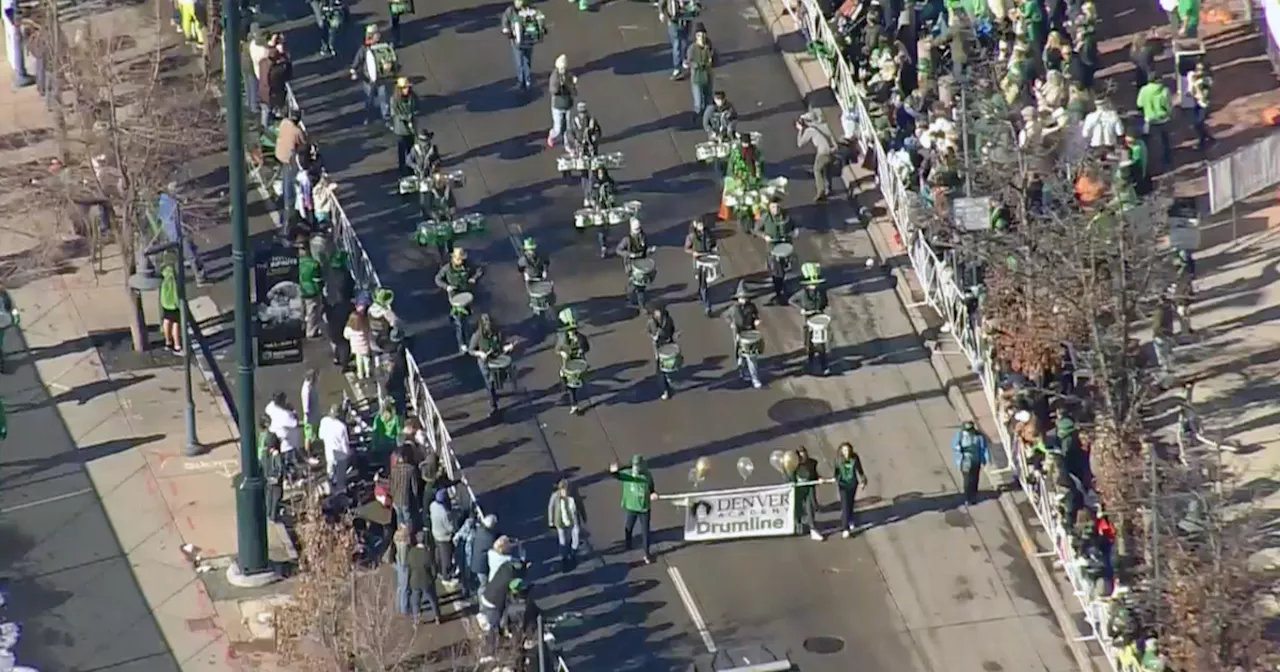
637	493
1141	172
1187	14
1157	109
806	471
311	284
404	114
9	317
386	431
170	310
849	475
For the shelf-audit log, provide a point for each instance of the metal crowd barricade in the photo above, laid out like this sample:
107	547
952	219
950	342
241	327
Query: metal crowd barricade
937	278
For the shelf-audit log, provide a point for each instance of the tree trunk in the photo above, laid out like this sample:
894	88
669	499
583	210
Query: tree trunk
129	258
137	321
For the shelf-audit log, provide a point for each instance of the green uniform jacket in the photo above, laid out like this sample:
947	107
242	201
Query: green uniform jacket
700	57
636	488
813	300
309	277
574	347
386	431
404	109
776	227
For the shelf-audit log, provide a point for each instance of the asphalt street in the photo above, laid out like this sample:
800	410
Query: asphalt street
64	575
932	585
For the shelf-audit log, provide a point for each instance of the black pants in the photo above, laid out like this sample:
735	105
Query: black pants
971	485
491	382
665	379
395	30
571	391
815	351
847	497
275	495
807	510
778	276
633	517
404	145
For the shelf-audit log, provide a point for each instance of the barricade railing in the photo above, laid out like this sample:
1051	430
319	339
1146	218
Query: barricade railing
937	277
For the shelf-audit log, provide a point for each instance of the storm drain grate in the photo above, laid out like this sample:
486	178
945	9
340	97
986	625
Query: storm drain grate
824	646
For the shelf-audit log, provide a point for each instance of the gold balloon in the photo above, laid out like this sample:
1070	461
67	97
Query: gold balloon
702	467
790	461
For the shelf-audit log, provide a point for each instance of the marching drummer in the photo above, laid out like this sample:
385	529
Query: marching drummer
720	119
456	278
776	228
487	346
439	204
700	243
634	246
601	194
531	263
424	158
744	317
662	329
812	300
583	134
572	347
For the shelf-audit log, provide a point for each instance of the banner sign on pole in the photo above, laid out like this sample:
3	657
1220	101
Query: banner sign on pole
279	306
766	512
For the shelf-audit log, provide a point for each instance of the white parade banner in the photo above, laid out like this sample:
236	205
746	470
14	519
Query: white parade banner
768	511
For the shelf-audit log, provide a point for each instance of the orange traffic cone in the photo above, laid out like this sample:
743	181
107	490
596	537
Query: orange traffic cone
723	215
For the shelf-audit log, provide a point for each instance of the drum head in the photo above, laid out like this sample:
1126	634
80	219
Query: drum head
749	336
782	250
461	299
643	265
540	289
709	260
819	321
577	366
498	362
669	351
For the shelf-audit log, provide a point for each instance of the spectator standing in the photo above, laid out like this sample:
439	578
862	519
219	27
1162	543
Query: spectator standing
422	572
566	517
337	291
1157	108
310	407
311	286
442	529
169	213
1102	127
337	447
482	541
273	473
259	48
405	485
360	338
276	72
289	140
970	447
398	556
1162	335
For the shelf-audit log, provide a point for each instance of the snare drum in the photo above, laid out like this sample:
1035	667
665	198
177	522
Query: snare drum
541	296
781	254
461	302
643	272
709	264
573	371
705	151
819	326
722	150
499	365
582	218
617	216
408	185
750	343
669	358
458	179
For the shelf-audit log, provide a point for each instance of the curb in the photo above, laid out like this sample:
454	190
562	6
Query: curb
882	243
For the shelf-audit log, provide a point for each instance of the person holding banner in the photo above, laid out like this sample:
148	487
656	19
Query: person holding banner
849	475
637	493
806	472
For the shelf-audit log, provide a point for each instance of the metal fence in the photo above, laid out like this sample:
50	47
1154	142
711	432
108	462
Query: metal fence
1244	173
937	276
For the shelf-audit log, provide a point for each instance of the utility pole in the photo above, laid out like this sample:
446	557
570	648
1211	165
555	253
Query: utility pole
252	566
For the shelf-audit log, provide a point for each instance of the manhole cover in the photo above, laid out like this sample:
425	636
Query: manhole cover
824	645
798	409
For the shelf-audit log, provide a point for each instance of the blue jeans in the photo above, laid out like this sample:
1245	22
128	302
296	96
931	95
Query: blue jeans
251	89
523	57
678	38
460	329
375	100
402	588
418	595
558	120
288	189
701	95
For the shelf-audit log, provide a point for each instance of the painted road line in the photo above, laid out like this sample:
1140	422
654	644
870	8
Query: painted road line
692	608
46	500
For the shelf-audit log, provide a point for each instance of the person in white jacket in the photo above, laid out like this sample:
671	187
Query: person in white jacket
1102	127
337	447
284	425
310	407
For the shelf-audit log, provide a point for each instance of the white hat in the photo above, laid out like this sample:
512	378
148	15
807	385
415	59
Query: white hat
489	520
562	62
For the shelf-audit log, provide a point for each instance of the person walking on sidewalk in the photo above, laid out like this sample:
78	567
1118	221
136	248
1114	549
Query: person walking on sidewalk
1157	107
337	447
970	447
1162	335
849	475
805	477
698	61
564	90
637	493
422	571
170	311
1201	84
812	129
566	517
311	285
405	484
310	407
442	529
338	290
273	473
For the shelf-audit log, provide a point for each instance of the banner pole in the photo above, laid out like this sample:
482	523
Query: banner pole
739	491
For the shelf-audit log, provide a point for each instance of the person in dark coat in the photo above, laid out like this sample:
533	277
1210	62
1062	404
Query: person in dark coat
276	70
481	541
338	291
422	578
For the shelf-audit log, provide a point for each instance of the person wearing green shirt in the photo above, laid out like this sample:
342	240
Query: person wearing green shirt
849	475
1032	17
9	317
1138	156
698	61
1188	14
170	311
1157	109
311	284
386	431
637	493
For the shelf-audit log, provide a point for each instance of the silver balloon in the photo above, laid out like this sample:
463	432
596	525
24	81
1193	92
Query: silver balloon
775	461
745	468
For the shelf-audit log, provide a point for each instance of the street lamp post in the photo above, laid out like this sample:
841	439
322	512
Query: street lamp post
252	565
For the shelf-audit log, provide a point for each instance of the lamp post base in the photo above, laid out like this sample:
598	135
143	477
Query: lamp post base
192	449
239	579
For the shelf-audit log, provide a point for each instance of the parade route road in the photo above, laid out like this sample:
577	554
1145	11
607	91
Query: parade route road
930	585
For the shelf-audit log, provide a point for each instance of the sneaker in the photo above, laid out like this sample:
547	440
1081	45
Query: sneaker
846	534
551	142
757	384
573	410
648	560
313	461
677	75
666	396
815	535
